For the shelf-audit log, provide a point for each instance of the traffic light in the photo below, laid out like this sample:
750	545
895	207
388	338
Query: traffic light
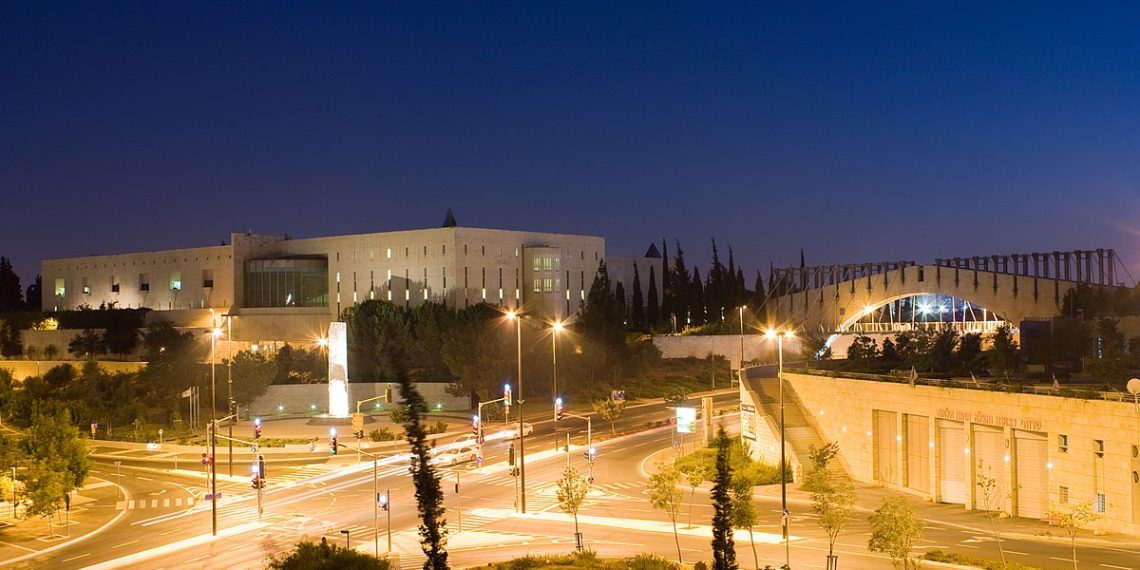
511	455
332	441
559	412
507	395
206	459
475	425
257	428
388	393
383	499
255	479
591	453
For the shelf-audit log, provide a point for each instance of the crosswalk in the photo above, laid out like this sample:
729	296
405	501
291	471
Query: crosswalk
164	503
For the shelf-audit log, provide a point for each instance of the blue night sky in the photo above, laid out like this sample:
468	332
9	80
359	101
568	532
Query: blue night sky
908	131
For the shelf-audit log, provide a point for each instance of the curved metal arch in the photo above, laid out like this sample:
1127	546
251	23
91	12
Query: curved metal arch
845	325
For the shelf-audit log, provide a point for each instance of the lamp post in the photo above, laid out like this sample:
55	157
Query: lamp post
230	390
514	316
554	330
740	370
779	336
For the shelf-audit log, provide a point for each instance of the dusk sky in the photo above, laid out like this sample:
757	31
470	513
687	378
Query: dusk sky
911	131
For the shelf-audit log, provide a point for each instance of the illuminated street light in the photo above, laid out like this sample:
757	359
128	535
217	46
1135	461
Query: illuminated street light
513	316
780	336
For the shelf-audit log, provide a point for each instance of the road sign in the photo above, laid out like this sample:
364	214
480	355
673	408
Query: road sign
686	417
357	422
617	395
212	496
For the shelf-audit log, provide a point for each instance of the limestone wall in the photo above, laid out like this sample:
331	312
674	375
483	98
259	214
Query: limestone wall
1076	470
756	347
22	369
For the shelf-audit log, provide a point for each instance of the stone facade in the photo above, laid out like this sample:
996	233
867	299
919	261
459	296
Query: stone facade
1041	451
543	273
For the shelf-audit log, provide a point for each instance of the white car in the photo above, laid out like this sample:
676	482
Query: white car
527	429
455	456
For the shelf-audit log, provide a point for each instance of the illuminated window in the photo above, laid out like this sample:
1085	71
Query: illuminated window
547	285
546	261
1100	503
86	287
537	285
537	263
60	287
389	253
1063	494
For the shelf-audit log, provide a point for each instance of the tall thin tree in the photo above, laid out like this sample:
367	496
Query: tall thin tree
652	313
637	303
723	545
429	495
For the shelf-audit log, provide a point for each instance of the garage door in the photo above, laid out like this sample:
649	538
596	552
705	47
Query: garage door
1032	474
917	453
952	462
990	465
886	447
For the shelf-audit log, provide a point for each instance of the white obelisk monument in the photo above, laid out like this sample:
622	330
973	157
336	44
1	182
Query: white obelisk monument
338	369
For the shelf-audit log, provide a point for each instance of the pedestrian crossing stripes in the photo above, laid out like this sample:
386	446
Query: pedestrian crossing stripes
166	503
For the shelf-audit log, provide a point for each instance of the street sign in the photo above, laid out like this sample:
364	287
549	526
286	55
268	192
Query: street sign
212	496
617	395
686	418
357	422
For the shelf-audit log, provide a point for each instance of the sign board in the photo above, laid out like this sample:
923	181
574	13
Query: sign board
748	421
686	419
357	422
617	395
212	496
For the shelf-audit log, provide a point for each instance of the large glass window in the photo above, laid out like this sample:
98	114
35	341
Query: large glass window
293	282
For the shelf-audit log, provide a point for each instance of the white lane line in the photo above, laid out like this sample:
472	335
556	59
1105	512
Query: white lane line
969	546
1061	559
1117	567
170	532
77	557
125	543
141	478
1016	552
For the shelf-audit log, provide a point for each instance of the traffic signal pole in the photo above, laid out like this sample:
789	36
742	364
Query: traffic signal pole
358	418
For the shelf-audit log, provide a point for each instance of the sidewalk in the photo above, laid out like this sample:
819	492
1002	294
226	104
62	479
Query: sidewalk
92	509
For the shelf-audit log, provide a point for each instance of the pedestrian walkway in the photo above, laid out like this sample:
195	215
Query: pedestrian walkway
153	503
92	509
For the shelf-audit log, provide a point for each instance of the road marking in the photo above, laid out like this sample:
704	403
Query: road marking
125	543
1117	567
1061	559
1016	552
141	478
241	546
18	546
76	557
969	546
170	532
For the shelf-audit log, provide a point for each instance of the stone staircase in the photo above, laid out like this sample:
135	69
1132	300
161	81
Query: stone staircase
800	435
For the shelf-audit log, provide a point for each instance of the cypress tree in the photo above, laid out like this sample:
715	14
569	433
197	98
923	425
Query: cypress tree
716	292
619	296
429	496
697	312
679	283
741	288
759	298
11	294
637	304
734	284
667	291
652	313
723	545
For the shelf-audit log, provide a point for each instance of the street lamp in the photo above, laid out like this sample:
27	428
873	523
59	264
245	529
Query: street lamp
741	369
779	336
554	330
517	318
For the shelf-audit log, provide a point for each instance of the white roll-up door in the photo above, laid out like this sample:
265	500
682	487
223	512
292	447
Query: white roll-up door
952	462
989	462
1032	474
917	453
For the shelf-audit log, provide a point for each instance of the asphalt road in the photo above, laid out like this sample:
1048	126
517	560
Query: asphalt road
616	520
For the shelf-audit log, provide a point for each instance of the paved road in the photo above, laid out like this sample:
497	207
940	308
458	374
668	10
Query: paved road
616	520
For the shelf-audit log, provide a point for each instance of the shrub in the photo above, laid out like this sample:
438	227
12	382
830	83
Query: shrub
382	434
